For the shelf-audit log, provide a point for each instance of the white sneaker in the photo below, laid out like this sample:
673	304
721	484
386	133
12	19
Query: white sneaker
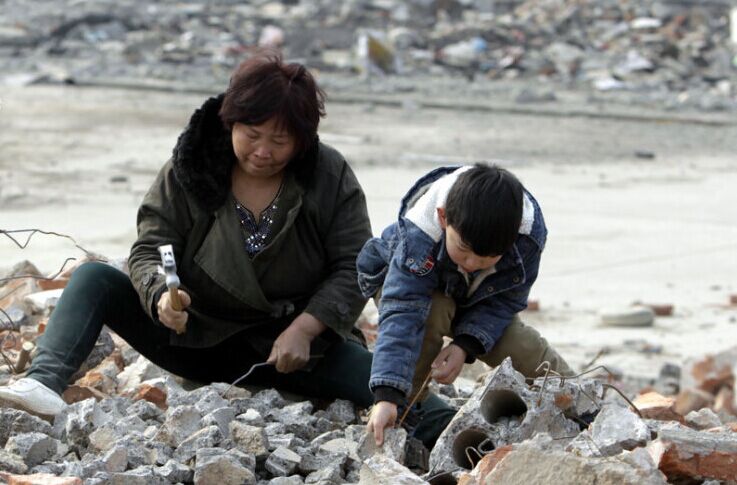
33	397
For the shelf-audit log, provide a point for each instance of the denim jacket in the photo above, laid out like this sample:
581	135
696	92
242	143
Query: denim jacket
409	264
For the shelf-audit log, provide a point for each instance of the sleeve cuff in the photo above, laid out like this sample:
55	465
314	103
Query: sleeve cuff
387	393
470	344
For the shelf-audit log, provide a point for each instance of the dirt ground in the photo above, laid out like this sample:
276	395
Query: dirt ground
623	228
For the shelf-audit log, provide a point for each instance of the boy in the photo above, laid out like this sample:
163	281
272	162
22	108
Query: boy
460	261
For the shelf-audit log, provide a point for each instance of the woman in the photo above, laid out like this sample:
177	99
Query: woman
266	223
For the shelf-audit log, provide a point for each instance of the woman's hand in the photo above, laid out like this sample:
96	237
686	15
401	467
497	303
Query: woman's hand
175	320
291	350
383	415
448	364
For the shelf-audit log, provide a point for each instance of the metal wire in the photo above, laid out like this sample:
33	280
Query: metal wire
619	391
7	233
37	277
468	455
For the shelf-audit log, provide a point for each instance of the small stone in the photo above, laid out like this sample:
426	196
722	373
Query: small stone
32	448
282	462
250	439
217	467
703	419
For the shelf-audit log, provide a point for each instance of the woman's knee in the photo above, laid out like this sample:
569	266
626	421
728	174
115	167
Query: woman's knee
95	272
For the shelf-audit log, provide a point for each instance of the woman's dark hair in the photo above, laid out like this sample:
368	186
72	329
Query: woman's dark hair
484	206
264	87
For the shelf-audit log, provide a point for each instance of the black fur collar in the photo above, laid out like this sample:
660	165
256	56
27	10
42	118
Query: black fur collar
203	157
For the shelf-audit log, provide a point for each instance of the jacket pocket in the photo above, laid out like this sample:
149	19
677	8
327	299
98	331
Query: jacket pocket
372	264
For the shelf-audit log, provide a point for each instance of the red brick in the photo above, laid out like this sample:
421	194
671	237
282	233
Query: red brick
653	405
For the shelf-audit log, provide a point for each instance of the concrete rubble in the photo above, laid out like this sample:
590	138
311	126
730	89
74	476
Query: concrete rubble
666	52
130	422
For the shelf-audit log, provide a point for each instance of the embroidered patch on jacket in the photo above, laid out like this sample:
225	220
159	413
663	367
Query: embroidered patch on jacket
424	268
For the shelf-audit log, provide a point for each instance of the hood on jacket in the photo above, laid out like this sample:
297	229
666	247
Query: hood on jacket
203	157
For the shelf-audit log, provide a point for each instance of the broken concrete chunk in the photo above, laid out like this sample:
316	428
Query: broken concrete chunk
618	428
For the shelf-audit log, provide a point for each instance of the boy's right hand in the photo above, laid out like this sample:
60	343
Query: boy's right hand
383	415
175	320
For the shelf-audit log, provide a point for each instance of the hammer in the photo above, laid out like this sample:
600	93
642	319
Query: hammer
169	265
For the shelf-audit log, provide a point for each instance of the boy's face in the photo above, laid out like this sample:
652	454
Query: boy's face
460	253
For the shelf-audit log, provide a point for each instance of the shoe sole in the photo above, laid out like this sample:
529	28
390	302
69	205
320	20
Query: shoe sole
6	402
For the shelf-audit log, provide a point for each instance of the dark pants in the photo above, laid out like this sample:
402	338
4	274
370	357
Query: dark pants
100	294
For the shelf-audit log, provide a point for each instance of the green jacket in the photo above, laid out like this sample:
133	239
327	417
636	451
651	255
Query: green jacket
308	266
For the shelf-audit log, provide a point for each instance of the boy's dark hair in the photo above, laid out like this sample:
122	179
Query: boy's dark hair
484	206
264	87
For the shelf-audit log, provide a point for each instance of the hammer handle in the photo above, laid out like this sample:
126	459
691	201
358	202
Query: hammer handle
176	303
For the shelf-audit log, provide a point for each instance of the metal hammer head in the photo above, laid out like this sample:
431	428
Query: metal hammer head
169	264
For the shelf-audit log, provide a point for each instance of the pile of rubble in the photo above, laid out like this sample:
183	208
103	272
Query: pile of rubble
677	52
129	422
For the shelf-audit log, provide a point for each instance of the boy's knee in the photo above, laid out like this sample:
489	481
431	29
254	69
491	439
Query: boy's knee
442	311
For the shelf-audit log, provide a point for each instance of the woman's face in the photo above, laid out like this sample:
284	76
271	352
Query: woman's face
262	150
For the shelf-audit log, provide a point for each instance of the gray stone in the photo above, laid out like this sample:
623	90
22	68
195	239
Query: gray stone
216	467
287	440
175	472
282	462
146	410
266	400
382	470
704	418
251	417
142	475
33	448
393	446
220	417
250	439
14	421
292	480
79	420
618	428
116	459
341	411
12	463
180	423
330	475
205	438
312	462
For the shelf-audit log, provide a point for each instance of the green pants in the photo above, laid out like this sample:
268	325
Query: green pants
526	347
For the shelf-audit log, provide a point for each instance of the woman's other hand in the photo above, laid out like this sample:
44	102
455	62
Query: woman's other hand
448	364
291	350
171	318
383	415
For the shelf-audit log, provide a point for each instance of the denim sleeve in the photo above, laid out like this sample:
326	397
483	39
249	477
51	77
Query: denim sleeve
487	320
403	309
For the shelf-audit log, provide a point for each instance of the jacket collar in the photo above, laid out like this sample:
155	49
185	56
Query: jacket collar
203	157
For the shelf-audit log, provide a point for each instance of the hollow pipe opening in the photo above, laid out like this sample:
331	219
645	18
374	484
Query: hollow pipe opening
466	448
502	403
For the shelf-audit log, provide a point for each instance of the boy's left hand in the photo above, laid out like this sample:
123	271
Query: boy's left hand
448	364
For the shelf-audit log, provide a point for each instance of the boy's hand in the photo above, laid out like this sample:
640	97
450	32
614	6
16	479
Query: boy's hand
383	415
291	350
171	318
448	364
